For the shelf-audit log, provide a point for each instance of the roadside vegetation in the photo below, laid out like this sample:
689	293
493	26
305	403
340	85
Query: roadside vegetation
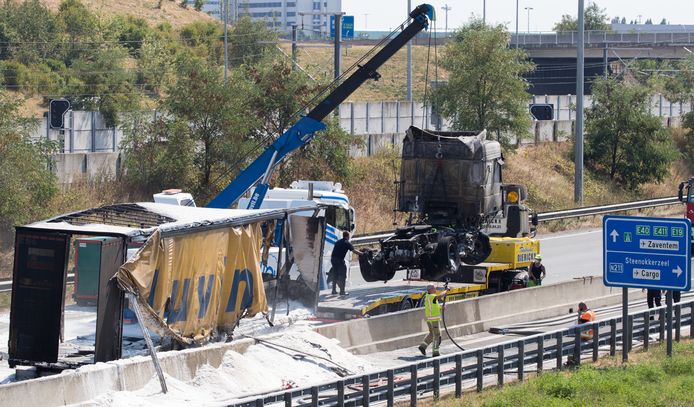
648	379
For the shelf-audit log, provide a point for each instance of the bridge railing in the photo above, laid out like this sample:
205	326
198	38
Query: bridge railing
601	37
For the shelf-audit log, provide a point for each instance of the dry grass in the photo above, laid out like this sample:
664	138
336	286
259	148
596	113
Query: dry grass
318	61
372	190
170	12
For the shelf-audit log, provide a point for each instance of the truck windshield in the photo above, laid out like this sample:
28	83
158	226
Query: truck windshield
338	217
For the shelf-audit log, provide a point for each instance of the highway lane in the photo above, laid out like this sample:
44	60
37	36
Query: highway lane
568	255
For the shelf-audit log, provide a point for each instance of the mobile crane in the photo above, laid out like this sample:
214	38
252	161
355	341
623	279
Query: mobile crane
301	133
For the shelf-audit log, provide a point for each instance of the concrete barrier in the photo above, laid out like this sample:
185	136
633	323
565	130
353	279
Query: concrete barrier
406	328
90	381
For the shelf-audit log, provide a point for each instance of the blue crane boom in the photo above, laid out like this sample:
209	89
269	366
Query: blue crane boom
301	133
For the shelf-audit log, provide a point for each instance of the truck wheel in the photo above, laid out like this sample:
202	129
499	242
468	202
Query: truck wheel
406	304
373	269
446	254
481	249
444	260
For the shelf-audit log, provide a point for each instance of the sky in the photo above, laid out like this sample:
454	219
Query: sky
384	15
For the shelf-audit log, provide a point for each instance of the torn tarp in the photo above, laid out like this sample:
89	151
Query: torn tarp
195	284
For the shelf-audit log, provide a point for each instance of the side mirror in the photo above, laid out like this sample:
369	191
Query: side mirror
680	190
352	219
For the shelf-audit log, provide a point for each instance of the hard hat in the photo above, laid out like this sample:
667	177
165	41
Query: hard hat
538	257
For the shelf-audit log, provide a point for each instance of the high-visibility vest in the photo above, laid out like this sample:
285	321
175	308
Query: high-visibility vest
586	317
432	308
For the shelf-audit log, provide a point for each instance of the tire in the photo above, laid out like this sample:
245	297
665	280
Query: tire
406	304
444	260
446	254
372	269
481	249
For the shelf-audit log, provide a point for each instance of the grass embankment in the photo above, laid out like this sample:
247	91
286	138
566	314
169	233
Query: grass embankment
648	379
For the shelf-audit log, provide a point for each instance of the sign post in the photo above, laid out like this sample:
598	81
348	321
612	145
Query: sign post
650	253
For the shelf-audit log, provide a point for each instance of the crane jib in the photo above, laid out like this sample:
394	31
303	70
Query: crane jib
301	133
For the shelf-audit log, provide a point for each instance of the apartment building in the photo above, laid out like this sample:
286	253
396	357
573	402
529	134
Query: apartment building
312	17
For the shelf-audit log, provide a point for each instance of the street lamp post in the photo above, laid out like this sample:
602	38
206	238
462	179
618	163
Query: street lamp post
484	12
516	23
529	8
446	8
366	25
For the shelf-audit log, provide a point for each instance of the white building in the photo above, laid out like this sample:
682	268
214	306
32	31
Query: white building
312	17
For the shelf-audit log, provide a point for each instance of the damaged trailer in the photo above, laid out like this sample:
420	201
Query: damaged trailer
195	275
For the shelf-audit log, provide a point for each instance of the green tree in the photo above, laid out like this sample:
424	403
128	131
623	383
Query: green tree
81	28
216	117
199	4
205	40
158	153
485	88
623	139
26	182
37	31
102	82
594	19
249	41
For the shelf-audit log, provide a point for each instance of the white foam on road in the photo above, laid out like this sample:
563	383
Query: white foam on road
263	367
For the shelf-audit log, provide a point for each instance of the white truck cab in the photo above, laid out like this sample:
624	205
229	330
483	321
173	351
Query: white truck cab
339	215
174	197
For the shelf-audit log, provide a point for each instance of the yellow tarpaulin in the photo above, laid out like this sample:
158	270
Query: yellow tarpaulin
190	285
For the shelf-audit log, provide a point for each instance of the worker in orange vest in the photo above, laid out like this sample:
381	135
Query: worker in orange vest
585	316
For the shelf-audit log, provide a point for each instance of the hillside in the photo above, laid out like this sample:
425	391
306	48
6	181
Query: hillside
170	11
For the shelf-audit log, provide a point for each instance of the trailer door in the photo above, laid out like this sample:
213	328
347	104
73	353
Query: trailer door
38	292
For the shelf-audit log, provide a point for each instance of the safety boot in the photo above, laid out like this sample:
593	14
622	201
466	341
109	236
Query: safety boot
423	349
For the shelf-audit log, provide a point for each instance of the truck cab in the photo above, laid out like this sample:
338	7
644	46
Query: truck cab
339	215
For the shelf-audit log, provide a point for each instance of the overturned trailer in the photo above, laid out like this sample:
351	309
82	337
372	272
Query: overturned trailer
195	274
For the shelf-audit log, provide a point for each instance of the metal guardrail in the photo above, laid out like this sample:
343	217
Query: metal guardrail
557	215
7	284
468	368
603	38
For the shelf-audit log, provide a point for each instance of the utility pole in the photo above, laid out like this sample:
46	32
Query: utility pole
484	12
226	39
516	24
446	8
338	34
409	57
528	9
578	159
293	47
338	37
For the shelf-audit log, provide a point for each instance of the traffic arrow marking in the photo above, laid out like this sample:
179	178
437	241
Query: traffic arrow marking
614	235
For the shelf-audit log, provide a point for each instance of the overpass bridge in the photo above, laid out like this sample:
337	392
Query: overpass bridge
555	55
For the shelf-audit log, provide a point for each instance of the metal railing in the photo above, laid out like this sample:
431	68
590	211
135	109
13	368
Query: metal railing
602	38
556	215
468	369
